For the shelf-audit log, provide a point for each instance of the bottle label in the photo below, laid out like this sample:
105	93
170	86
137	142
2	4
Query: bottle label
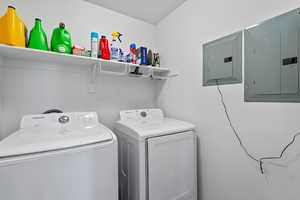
114	53
62	49
94	49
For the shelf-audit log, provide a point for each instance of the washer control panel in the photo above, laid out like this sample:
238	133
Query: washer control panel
77	119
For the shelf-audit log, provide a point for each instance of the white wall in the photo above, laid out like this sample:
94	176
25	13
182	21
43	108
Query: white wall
29	88
1	97
225	172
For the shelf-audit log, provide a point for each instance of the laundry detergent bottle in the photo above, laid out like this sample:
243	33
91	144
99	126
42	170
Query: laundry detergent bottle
61	40
38	37
13	31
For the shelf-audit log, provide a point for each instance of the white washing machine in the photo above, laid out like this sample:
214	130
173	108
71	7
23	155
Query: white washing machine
157	157
68	156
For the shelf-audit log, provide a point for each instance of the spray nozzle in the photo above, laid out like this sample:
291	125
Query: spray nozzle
116	35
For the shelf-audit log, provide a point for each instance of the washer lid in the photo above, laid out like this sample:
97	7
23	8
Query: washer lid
41	133
143	130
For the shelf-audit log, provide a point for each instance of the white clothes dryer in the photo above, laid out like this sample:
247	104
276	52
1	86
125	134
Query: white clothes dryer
157	156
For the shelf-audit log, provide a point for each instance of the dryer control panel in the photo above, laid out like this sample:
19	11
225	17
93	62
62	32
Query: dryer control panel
142	115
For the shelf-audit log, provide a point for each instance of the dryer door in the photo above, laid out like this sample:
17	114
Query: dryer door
172	167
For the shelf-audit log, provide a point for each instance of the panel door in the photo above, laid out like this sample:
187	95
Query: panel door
272	59
262	59
220	60
289	62
289	27
172	167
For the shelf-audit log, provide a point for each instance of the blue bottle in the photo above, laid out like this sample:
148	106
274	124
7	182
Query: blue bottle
144	56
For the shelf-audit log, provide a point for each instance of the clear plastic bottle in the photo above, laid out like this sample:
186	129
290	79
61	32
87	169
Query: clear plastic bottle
114	50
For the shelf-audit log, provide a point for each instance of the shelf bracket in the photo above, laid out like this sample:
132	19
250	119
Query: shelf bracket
164	77
92	88
120	73
94	73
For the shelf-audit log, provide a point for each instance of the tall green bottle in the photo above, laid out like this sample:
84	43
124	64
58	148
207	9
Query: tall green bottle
61	40
38	37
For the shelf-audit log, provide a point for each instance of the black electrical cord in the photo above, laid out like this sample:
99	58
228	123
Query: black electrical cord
277	157
259	160
232	127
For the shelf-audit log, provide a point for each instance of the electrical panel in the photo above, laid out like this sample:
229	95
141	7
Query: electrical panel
272	59
222	60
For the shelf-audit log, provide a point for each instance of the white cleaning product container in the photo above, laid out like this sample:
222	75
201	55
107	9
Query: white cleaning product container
94	44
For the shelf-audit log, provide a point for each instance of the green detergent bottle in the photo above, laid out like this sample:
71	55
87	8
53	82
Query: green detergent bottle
38	37
61	40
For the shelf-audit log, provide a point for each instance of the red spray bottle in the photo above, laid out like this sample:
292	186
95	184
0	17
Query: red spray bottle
104	48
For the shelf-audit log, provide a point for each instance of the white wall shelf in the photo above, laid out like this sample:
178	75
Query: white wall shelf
98	65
